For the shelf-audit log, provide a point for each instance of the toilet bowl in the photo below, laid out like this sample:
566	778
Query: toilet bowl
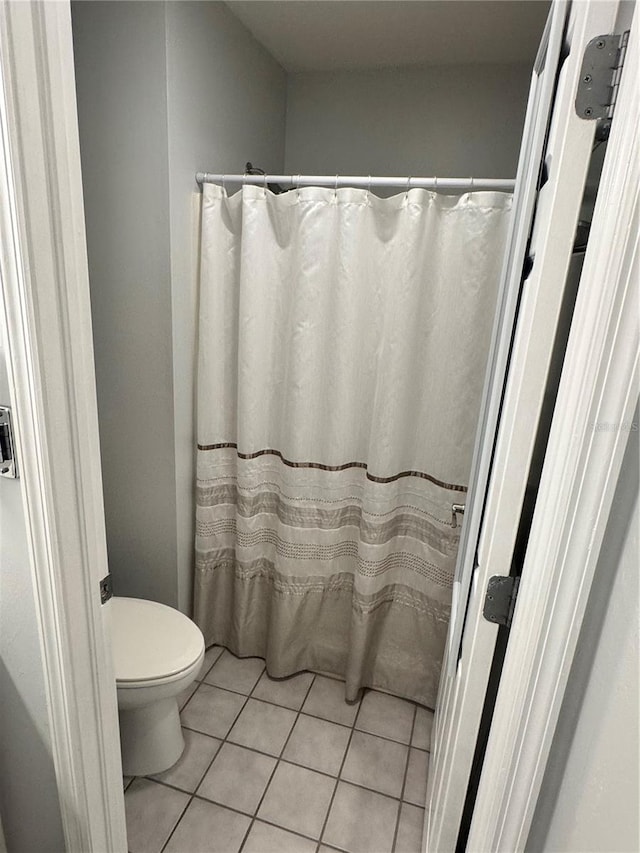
157	653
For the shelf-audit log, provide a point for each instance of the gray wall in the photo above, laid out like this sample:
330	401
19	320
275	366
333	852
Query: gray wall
590	792
164	90
120	58
29	806
456	121
226	100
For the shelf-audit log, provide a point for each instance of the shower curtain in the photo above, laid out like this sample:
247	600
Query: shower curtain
342	347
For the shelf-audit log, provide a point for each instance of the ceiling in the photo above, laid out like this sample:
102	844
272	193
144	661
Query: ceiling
314	35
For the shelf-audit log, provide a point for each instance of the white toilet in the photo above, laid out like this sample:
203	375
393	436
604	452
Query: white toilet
157	653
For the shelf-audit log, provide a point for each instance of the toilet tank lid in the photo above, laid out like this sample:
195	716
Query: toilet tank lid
151	641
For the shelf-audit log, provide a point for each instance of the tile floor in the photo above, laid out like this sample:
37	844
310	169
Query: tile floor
285	766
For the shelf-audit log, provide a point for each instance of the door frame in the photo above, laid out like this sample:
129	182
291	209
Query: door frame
45	297
592	419
460	727
46	302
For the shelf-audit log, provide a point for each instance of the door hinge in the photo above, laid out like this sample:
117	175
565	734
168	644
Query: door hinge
500	599
106	590
600	76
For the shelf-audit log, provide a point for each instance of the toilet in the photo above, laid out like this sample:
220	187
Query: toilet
157	653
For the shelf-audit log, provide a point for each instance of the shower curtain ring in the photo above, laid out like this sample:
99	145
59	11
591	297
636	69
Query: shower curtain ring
264	186
408	183
335	188
435	185
471	181
224	189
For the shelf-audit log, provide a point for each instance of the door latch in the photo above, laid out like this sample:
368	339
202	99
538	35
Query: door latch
8	466
106	589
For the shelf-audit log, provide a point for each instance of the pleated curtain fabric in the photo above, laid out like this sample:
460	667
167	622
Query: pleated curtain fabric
342	348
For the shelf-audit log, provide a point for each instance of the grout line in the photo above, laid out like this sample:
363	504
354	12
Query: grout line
230	808
388	739
342	763
279	759
222	742
182	813
193	693
307	713
404	780
304	713
200	677
317	716
276	826
275	767
328	675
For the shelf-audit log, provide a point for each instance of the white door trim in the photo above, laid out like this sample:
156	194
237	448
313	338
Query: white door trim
45	295
596	399
538	115
461	699
46	302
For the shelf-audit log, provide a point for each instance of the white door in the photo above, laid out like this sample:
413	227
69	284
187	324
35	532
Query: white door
51	381
557	145
25	735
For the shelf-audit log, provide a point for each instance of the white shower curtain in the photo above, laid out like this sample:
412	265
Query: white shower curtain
342	348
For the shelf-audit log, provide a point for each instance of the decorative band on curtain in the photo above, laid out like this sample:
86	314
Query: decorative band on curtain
342	347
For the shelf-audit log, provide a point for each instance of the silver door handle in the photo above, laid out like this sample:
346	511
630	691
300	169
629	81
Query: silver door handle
7	446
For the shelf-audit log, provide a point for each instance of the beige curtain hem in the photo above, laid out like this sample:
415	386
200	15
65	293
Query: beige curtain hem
392	642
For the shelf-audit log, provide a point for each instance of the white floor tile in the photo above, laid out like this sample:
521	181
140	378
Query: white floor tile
422	729
152	810
326	700
375	763
198	753
317	744
212	710
263	727
415	789
297	799
265	838
361	821
410	828
232	673
237	778
210	828
386	715
210	657
288	692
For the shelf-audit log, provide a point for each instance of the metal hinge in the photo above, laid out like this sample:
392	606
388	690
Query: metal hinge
600	76
106	590
500	599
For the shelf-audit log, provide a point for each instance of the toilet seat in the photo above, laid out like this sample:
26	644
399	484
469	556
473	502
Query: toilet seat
152	644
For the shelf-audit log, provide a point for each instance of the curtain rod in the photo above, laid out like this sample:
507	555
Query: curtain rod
366	181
